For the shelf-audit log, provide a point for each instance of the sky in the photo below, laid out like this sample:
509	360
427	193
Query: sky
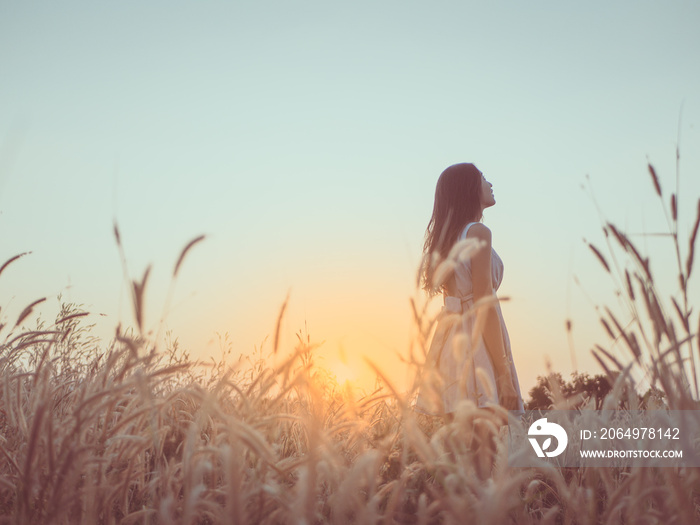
304	139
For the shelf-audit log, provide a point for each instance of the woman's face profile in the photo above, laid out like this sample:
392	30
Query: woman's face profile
487	198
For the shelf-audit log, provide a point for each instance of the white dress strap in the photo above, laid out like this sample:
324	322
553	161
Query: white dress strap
466	230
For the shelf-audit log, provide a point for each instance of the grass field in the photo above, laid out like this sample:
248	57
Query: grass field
134	434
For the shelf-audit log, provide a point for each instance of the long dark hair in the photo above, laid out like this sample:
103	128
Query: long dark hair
457	203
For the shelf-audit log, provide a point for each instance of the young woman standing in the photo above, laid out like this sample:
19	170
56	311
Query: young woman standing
470	355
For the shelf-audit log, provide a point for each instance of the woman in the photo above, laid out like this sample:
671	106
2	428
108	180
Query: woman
470	355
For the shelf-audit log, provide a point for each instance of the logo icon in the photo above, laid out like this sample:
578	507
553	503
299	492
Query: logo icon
542	428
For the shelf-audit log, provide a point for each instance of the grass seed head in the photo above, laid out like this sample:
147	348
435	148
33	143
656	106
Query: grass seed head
600	257
691	247
655	180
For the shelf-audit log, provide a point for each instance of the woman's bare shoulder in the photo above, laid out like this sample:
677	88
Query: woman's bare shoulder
479	231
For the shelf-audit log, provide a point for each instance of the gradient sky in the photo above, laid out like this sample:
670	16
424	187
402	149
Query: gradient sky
305	139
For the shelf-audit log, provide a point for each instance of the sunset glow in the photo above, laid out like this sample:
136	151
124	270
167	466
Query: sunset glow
344	374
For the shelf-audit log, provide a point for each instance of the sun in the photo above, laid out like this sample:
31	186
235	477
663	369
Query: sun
343	373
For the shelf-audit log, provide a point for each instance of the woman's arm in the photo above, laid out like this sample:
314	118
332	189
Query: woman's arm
482	286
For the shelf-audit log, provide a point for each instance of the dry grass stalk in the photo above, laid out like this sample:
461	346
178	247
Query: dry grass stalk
184	252
11	260
655	179
600	257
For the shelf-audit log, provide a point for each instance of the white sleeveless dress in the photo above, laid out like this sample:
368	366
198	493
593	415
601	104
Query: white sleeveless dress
458	366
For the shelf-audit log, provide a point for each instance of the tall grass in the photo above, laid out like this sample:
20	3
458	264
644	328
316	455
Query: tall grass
131	434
